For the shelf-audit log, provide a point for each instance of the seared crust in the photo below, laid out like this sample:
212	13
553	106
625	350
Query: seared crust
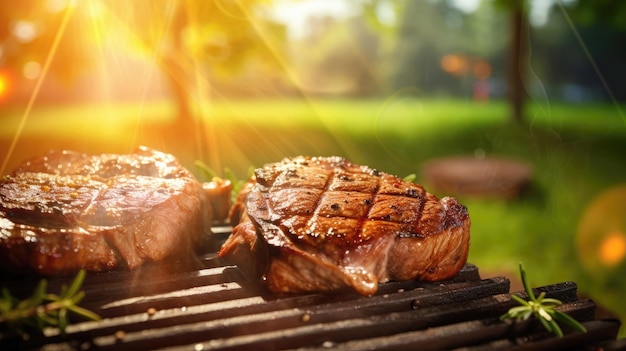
65	211
326	223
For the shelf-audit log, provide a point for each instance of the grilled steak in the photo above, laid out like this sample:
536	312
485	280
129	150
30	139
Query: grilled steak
323	224
66	210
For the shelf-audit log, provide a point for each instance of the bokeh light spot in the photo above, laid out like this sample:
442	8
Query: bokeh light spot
454	64
601	236
3	85
24	31
31	70
481	69
613	249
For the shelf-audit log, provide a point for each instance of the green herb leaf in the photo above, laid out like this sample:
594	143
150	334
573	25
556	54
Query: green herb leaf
542	308
410	178
568	320
208	171
42	309
529	291
76	284
83	312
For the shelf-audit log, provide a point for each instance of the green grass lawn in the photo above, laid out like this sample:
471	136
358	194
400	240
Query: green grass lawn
577	151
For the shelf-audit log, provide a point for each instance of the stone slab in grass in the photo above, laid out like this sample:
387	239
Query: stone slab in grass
493	177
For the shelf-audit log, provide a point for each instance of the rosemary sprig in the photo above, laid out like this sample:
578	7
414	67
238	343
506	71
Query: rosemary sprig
410	178
542	308
43	309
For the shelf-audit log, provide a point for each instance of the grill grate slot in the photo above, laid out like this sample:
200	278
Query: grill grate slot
212	305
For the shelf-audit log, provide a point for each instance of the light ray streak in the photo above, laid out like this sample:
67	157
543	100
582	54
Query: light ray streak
157	57
593	63
142	43
160	55
274	51
344	144
153	58
155	51
200	81
283	64
31	101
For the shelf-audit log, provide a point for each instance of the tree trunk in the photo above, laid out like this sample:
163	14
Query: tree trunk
518	57
179	85
190	129
178	68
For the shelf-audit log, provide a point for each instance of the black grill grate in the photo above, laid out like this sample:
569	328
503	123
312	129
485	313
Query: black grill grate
214	307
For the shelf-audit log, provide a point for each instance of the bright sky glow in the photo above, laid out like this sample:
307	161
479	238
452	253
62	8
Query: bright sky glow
386	13
295	13
466	6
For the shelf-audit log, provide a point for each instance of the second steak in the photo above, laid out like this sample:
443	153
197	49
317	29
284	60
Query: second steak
65	211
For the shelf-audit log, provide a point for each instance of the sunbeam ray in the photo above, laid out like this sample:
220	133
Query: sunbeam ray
592	62
69	10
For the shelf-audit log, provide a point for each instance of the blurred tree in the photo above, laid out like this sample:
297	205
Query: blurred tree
422	40
518	55
344	59
430	31
604	21
190	40
609	12
589	49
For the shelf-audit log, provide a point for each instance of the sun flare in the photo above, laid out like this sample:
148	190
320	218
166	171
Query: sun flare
4	85
601	237
612	250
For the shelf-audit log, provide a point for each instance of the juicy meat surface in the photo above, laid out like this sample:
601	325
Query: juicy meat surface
324	224
64	211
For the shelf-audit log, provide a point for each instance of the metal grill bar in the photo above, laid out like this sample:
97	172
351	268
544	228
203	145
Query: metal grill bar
214	307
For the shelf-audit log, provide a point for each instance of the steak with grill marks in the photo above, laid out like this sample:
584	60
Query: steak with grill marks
66	210
324	224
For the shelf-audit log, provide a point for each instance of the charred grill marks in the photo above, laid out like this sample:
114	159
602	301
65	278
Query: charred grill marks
339	193
339	196
368	202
